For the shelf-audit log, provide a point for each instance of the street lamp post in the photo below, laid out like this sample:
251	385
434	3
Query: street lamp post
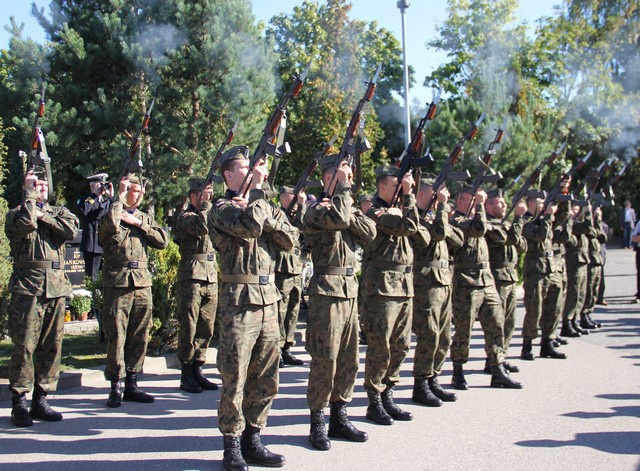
403	5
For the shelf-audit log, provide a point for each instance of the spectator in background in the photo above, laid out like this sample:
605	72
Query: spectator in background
635	238
627	223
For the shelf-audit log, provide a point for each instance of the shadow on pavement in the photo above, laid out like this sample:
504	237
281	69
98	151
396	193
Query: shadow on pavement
620	443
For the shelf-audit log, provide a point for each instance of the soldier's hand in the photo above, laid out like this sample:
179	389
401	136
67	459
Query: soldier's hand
302	198
260	173
124	185
30	181
551	209
108	189
39	214
325	203
395	212
130	219
240	202
520	208
407	183
481	196
442	196
344	174
206	195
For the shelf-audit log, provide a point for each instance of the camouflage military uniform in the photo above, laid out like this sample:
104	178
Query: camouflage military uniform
249	334
126	279
38	288
576	259
388	293
562	232
432	301
594	274
505	243
474	290
333	233
197	296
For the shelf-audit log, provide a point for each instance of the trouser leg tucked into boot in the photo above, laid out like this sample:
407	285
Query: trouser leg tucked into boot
19	411
188	382
318	433
527	353
547	350
40	407
232	457
501	379
590	319
440	393
422	394
254	451
341	427
115	395
375	411
132	392
392	408
585	322
577	328
203	382
458	380
567	329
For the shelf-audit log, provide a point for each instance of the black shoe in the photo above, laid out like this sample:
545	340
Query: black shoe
547	350
40	407
341	427
511	368
115	395
526	353
375	411
187	382
203	382
590	319
561	340
132	392
501	379
422	394
318	433
586	323
232	458
19	412
487	367
363	338
392	408
281	362
577	328
255	452
440	393
458	380
289	359
568	330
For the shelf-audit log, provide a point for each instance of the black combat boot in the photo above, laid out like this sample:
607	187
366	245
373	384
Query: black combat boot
422	394
341	427
203	382
487	367
526	353
501	379
440	393
232	457
255	452
577	328
187	381
115	395
318	433
132	392
590	319
511	368
457	379
585	322
560	341
40	407
547	350
568	330
289	359
19	412
375	411
392	408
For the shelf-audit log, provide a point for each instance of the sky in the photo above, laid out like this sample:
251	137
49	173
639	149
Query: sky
421	20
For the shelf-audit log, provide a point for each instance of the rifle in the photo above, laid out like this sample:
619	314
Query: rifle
485	174
409	159
272	140
447	172
212	177
353	143
531	179
38	155
305	178
133	163
590	184
608	188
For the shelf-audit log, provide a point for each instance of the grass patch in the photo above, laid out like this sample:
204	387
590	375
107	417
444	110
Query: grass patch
78	351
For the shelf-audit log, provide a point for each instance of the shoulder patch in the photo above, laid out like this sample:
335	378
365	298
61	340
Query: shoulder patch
90	200
377	213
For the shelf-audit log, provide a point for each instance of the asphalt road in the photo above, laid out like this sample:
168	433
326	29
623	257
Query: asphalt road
579	413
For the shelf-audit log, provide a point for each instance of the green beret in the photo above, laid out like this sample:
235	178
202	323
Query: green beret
286	189
387	171
428	179
136	180
235	153
329	161
365	198
196	184
496	193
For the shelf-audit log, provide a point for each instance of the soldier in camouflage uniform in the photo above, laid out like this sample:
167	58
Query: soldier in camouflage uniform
333	228
365	202
388	293
594	274
289	279
125	234
37	234
474	290
432	302
505	243
576	259
197	296
246	232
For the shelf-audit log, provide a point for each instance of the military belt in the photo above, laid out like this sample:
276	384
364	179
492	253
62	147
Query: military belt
477	266
249	279
343	271
133	264
56	265
207	257
391	266
434	264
